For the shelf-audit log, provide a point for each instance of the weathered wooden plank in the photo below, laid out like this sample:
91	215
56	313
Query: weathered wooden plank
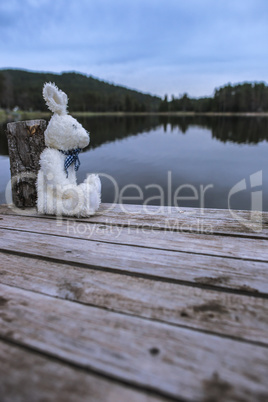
198	269
206	213
218	312
28	376
130	210
191	219
185	221
171	360
188	220
115	210
253	249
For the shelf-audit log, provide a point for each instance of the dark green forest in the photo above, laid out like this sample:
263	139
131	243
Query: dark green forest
23	89
238	98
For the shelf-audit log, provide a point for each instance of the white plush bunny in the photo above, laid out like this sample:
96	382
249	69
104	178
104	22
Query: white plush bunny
57	189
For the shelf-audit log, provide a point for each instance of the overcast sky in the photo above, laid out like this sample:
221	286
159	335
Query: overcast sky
156	46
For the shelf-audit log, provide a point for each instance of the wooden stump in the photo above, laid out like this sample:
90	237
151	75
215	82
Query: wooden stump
25	144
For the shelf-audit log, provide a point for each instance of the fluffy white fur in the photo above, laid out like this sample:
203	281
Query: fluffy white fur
56	193
56	99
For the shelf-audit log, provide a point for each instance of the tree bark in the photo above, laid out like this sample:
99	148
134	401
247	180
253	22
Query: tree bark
25	144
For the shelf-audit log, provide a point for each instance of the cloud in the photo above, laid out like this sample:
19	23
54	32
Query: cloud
148	44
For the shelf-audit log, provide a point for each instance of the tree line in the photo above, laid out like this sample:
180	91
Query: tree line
23	89
238	98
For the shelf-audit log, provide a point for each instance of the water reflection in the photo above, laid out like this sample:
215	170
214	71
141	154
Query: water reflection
3	140
196	151
236	129
111	128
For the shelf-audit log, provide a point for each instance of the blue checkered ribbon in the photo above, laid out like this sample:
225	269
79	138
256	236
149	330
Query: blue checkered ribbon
71	157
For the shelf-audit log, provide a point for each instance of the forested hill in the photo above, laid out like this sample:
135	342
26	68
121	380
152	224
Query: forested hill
23	89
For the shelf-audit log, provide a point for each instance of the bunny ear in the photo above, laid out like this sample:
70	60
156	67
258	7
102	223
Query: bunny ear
56	99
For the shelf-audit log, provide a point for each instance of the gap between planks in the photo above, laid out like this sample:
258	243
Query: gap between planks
243	290
172	222
187	364
235	316
27	374
124	210
222	272
240	248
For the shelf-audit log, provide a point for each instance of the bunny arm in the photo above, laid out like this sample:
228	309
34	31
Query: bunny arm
60	195
52	167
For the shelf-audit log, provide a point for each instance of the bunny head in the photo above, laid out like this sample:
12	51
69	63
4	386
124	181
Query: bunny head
63	131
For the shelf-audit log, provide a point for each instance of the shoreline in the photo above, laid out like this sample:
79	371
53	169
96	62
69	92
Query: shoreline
22	115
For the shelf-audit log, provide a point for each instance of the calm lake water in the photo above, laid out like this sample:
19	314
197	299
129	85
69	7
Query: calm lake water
185	161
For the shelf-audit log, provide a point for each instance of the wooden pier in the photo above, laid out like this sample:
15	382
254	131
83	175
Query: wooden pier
134	305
